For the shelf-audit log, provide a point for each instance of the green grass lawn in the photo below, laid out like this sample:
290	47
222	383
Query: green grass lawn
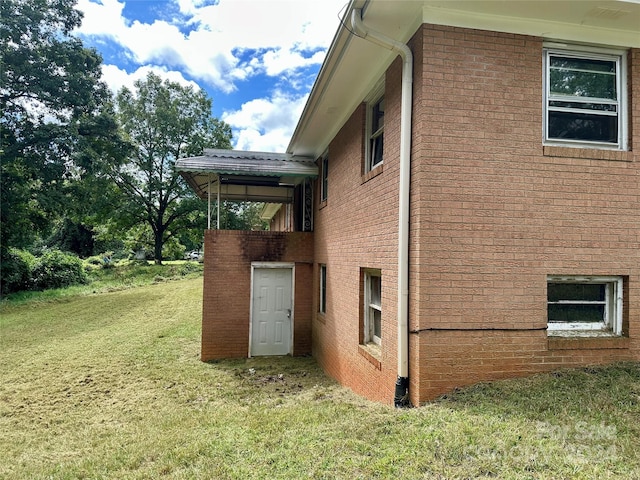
122	275
109	385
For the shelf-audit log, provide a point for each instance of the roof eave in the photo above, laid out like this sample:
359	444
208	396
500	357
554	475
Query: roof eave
345	78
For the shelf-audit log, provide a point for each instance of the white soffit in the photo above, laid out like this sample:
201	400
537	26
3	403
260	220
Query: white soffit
269	210
606	22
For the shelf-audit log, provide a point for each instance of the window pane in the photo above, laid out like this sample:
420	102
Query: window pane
377	322
599	107
570	313
376	150
325	176
577	126
586	64
377	116
586	292
323	288
376	139
583	77
376	290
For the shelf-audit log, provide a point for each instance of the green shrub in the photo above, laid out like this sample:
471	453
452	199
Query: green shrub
94	260
173	249
56	269
187	268
15	270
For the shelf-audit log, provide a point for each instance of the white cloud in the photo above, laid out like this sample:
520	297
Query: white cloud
100	18
277	62
116	78
265	124
224	44
255	24
272	141
281	35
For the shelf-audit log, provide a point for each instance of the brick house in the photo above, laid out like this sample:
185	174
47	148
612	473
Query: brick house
462	200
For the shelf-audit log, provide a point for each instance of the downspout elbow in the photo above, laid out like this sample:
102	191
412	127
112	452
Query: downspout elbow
364	32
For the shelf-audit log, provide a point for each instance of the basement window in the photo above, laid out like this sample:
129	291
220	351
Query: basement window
584	98
589	305
373	307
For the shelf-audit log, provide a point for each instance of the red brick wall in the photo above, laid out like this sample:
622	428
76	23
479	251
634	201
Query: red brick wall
357	228
282	221
492	214
227	287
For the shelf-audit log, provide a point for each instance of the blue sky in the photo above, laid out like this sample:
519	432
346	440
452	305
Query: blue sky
257	59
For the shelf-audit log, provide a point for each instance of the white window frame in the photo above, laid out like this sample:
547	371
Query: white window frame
372	138
582	52
612	321
370	307
322	301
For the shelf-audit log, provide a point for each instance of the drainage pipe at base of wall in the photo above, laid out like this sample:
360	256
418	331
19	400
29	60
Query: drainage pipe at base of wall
401	398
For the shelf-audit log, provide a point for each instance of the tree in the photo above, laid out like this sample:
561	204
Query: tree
57	122
164	121
241	216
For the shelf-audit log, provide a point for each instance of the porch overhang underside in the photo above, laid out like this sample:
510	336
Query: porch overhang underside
246	176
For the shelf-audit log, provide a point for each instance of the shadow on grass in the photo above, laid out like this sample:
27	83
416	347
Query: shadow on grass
600	395
276	379
563	389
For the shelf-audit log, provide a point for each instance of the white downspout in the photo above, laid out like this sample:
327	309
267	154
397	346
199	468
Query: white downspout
402	384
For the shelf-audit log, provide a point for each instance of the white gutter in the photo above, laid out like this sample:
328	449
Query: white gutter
402	384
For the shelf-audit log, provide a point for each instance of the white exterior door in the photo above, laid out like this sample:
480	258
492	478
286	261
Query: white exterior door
272	317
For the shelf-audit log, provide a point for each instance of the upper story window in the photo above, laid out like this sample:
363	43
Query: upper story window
585	98
324	184
375	133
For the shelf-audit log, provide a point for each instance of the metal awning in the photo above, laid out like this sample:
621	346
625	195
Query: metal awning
246	176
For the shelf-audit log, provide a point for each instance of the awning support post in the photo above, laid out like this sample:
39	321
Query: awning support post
218	201
209	203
